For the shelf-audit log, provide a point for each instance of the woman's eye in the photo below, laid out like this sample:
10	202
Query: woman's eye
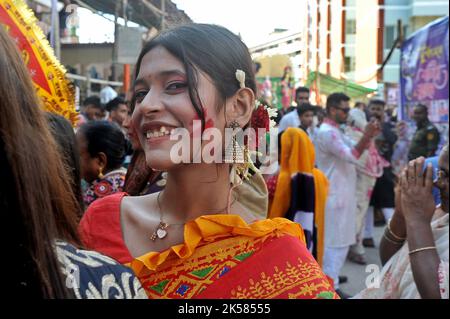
176	86
140	95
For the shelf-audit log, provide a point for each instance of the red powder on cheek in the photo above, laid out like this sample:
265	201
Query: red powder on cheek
197	128
209	124
197	117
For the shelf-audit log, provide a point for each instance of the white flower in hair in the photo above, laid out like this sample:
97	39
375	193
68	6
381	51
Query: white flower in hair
272	112
240	76
272	124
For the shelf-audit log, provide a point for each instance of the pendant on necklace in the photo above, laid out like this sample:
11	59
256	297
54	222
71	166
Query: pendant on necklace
160	232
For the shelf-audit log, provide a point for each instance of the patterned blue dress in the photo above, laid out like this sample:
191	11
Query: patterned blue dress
91	275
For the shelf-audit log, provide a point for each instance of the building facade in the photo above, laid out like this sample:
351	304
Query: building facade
350	39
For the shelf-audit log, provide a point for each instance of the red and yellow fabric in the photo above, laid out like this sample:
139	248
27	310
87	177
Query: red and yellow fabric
224	257
47	74
321	191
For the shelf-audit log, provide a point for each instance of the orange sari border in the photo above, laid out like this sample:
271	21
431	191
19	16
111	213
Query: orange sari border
209	228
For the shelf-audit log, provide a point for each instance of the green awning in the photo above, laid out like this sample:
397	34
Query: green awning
327	85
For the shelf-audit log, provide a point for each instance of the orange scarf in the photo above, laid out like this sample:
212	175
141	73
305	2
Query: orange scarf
298	156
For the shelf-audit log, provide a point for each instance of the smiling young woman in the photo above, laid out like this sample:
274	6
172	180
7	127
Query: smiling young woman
194	239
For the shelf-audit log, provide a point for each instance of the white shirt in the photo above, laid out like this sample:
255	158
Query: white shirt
289	120
336	157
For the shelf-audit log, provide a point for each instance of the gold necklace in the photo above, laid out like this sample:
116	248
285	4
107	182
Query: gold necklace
161	230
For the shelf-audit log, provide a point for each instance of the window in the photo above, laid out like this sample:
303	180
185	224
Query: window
350	64
389	36
405	31
350	26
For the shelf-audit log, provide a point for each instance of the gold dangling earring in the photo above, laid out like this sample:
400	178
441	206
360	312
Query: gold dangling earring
100	174
233	152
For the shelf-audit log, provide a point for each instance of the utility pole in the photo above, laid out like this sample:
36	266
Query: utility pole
400	35
124	11
116	42
55	39
126	67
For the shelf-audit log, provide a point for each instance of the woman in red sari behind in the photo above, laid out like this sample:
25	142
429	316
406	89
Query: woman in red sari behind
195	239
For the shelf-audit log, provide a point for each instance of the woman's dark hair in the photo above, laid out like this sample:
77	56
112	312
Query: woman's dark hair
67	145
211	49
286	72
36	200
102	136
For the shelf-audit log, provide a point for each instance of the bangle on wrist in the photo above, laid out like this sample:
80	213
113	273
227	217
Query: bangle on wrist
392	233
422	249
395	242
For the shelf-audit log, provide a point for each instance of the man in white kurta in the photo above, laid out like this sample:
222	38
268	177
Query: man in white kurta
336	156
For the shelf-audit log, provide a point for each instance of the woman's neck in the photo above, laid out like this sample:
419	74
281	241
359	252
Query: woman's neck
194	190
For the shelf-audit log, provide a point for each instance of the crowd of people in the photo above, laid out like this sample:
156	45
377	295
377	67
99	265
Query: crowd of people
103	211
363	152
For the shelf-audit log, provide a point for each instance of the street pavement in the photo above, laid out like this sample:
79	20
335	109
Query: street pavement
357	274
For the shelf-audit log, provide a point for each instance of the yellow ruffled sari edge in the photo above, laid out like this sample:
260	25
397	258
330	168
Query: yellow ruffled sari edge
209	228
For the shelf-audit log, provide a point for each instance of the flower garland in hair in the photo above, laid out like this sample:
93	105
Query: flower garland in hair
261	118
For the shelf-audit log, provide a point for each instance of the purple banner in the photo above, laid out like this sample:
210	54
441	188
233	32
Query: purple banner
424	72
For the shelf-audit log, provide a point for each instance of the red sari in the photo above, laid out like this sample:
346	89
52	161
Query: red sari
221	257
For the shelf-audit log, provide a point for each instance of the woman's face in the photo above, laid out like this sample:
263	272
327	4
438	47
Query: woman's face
163	104
131	133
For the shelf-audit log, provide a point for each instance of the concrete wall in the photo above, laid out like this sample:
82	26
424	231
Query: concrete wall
84	56
366	43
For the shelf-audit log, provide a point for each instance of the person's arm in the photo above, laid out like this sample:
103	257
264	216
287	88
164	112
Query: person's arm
395	234
372	129
362	145
334	142
418	210
425	263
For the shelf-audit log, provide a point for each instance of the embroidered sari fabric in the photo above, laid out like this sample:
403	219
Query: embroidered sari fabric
223	257
301	189
111	183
